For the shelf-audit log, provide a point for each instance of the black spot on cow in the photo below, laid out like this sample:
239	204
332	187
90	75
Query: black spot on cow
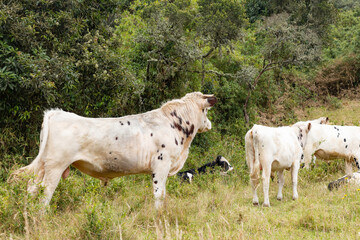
163	145
115	158
262	145
178	126
128	123
176	142
182	141
172	114
187	122
121	123
157	150
203	110
302	156
192	129
338	135
116	138
155	182
346	146
344	139
172	126
151	134
109	152
153	175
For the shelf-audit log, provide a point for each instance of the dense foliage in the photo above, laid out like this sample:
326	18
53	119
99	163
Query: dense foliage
111	58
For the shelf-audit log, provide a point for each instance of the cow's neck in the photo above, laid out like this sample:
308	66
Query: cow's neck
299	137
184	122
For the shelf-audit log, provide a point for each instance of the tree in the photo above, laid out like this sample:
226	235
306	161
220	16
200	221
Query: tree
283	45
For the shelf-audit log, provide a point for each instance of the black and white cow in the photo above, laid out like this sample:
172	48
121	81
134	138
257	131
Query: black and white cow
220	161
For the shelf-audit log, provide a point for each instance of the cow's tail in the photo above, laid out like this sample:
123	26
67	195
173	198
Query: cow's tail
255	171
249	150
36	167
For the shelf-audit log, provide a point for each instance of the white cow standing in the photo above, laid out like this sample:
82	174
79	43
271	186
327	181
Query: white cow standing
274	149
156	142
330	142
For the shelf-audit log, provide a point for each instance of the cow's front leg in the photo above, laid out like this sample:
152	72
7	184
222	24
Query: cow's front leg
348	166
266	182
294	178
160	173
281	184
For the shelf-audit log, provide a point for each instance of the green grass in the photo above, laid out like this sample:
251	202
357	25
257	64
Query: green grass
212	207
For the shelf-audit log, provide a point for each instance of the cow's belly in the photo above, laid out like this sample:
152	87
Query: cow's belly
112	167
327	155
276	165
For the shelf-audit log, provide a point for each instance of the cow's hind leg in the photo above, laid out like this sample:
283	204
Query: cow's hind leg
281	184
51	180
266	182
254	185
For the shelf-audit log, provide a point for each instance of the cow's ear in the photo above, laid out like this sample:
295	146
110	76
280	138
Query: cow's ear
211	100
308	127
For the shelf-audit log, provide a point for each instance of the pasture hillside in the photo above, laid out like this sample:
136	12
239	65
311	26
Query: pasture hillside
212	207
267	62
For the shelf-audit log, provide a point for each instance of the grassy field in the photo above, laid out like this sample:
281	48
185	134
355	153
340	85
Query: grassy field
212	207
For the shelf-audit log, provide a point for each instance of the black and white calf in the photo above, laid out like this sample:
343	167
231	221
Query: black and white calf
220	161
353	179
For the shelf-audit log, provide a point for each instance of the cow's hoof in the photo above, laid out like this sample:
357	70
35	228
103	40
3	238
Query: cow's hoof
279	198
266	205
255	203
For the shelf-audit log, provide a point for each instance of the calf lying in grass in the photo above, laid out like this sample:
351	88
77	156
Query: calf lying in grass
353	179
220	161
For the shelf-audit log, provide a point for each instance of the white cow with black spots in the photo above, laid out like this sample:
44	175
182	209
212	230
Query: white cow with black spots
156	142
274	149
330	142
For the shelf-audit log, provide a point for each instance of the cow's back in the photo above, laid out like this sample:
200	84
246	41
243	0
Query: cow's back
103	146
278	144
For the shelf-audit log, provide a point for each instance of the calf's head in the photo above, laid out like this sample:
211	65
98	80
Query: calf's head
224	164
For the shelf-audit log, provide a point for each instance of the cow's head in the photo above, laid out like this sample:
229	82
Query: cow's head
302	131
322	120
202	103
205	103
